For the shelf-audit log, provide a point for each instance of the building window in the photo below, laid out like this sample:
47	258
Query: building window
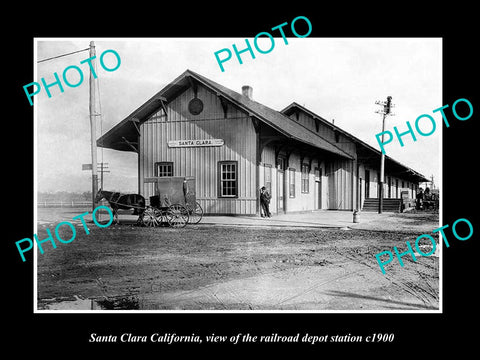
291	182
164	168
227	179
305	182
268	178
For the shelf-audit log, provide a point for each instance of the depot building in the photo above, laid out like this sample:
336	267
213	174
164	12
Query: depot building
233	145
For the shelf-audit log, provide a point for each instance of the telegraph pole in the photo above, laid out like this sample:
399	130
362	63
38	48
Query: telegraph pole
93	129
102	166
387	105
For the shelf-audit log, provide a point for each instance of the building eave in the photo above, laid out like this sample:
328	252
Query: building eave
370	149
125	131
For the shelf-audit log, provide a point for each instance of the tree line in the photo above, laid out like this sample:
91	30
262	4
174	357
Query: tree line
65	196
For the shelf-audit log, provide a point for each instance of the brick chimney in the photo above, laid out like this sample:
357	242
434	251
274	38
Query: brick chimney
247	91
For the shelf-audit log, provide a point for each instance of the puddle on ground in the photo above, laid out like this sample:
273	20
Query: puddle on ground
127	302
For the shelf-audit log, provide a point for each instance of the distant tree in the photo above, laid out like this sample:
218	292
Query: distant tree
65	196
87	195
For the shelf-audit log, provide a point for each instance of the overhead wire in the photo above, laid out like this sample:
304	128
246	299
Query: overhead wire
96	94
58	56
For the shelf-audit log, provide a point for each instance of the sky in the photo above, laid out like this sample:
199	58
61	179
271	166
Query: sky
336	78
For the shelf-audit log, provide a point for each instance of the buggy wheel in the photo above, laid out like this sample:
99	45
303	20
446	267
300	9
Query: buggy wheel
195	214
152	217
177	216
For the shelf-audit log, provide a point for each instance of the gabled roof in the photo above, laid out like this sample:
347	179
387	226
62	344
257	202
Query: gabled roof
125	131
361	145
123	136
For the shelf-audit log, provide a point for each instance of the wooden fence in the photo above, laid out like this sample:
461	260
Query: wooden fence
67	204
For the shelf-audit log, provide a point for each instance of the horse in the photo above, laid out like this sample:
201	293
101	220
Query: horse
118	201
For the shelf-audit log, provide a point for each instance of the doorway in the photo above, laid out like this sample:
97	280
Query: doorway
367	184
318	188
280	185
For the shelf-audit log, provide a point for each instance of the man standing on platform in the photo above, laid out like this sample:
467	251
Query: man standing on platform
265	202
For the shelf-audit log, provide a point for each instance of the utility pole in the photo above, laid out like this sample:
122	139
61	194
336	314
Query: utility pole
93	129
387	105
102	167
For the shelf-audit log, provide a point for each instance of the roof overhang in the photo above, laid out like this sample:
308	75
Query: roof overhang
124	135
365	152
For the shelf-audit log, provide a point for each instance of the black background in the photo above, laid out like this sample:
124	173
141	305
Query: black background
414	333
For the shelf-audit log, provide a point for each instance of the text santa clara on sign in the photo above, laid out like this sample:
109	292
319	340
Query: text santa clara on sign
194	143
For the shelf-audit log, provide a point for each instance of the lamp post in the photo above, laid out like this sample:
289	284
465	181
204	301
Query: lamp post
387	105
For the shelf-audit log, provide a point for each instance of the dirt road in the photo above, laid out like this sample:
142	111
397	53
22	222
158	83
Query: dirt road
222	268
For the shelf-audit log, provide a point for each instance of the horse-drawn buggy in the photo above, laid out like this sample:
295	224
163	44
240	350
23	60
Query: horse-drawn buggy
174	203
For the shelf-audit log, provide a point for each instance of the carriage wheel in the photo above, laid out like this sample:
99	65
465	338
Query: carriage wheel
177	216
195	214
152	217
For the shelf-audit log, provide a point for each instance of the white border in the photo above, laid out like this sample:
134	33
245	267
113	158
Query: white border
35	289
35	179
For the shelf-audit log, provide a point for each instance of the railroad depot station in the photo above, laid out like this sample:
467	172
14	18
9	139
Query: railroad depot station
233	145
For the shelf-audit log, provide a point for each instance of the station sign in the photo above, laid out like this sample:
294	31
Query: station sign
195	143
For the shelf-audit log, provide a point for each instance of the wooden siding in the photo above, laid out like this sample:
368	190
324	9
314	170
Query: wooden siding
338	183
238	134
302	201
343	185
268	158
395	192
340	175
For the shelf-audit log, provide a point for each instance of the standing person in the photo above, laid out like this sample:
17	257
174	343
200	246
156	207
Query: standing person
420	199
265	202
427	197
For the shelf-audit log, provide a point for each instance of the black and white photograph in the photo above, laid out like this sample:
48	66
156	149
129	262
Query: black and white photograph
202	179
248	189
